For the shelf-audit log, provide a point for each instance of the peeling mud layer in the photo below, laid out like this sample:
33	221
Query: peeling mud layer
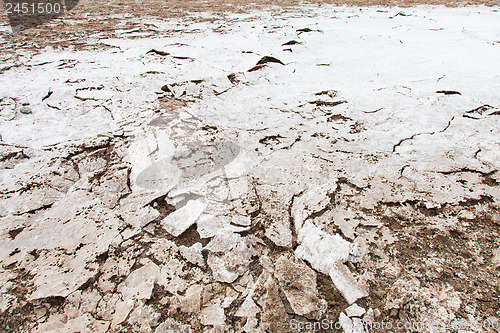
294	169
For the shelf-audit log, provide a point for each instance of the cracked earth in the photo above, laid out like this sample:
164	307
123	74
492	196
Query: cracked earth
251	171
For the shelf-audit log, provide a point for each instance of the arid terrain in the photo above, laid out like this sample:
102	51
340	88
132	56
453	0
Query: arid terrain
225	166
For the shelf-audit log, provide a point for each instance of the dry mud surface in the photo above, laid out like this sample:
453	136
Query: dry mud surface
260	169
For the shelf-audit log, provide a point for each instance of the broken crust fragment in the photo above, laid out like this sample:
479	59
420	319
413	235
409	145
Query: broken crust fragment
298	282
57	273
320	248
327	253
274	317
191	301
229	256
288	277
213	315
248	308
85	323
180	220
346	284
139	284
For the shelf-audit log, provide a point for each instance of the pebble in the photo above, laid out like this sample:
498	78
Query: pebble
25	110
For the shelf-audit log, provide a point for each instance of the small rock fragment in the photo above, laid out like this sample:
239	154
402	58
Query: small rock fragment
298	282
141	217
169	277
369	316
248	308
193	254
279	232
144	316
171	326
180	220
220	270
209	225
321	249
232	77
274	317
251	325
346	323
243	221
358	326
229	256
139	284
122	310
25	110
313	200
329	93
85	323
231	295
355	311
213	315
345	283
191	302
49	93
496	257
263	61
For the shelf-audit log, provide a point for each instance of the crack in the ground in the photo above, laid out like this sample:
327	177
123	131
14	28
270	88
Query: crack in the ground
418	134
486	175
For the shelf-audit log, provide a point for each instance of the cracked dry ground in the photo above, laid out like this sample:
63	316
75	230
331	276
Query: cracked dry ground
211	186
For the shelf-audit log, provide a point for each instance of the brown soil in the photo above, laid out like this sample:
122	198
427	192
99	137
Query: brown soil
89	17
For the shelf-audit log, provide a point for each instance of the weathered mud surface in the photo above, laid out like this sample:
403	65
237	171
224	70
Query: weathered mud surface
254	172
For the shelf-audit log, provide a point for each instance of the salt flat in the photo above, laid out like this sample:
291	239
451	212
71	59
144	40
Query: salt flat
238	173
